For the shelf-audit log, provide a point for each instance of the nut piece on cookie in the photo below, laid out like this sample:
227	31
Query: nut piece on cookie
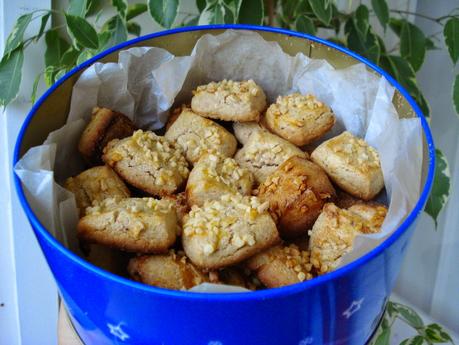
170	271
296	193
96	184
215	175
148	162
140	225
352	164
333	233
299	119
229	100
228	231
243	130
197	135
264	152
373	214
105	125
281	265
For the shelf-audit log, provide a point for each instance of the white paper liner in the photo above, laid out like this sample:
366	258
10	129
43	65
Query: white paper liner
147	81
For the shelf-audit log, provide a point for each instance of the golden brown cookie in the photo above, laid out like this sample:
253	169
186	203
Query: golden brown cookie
215	175
264	152
148	162
140	225
229	100
170	271
352	164
225	232
96	184
299	119
281	265
197	135
296	193
243	130
105	125
334	232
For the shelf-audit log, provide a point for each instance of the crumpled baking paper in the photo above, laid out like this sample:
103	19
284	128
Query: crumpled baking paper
147	81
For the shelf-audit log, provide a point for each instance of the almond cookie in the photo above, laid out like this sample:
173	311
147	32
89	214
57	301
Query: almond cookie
148	162
170	271
229	100
299	119
215	175
105	125
197	135
281	265
264	152
243	130
296	193
96	184
352	164
225	232
334	232
140	225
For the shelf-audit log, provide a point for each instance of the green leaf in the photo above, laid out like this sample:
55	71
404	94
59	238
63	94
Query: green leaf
441	187
85	55
77	8
412	45
118	32
10	75
251	12
44	21
134	29
135	10
163	11
362	20
60	73
305	24
382	11
322	10
416	340
383	338
16	36
367	46
437	334
82	32
456	94
121	7
192	22
33	95
451	33
201	5
55	48
69	57
396	25
409	315
48	76
430	45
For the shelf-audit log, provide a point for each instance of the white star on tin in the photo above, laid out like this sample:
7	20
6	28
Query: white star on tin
306	341
117	331
354	307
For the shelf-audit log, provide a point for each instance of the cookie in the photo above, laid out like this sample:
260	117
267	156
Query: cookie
139	225
229	100
352	164
148	162
264	152
215	175
105	125
296	193
170	271
196	135
94	185
299	119
243	130
226	232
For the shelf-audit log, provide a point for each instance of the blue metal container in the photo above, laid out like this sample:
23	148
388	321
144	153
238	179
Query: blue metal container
342	307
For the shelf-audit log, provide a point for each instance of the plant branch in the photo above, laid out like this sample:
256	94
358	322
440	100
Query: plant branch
433	19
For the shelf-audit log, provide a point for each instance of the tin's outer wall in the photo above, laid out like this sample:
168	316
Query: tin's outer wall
345	310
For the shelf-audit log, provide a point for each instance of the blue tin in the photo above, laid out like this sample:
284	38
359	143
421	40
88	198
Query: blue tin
342	307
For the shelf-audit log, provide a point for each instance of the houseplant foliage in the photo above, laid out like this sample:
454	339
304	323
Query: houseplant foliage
84	34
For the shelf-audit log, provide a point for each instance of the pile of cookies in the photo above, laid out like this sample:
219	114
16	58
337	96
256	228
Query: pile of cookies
234	192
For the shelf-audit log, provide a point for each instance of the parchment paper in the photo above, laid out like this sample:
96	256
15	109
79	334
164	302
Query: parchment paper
147	81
